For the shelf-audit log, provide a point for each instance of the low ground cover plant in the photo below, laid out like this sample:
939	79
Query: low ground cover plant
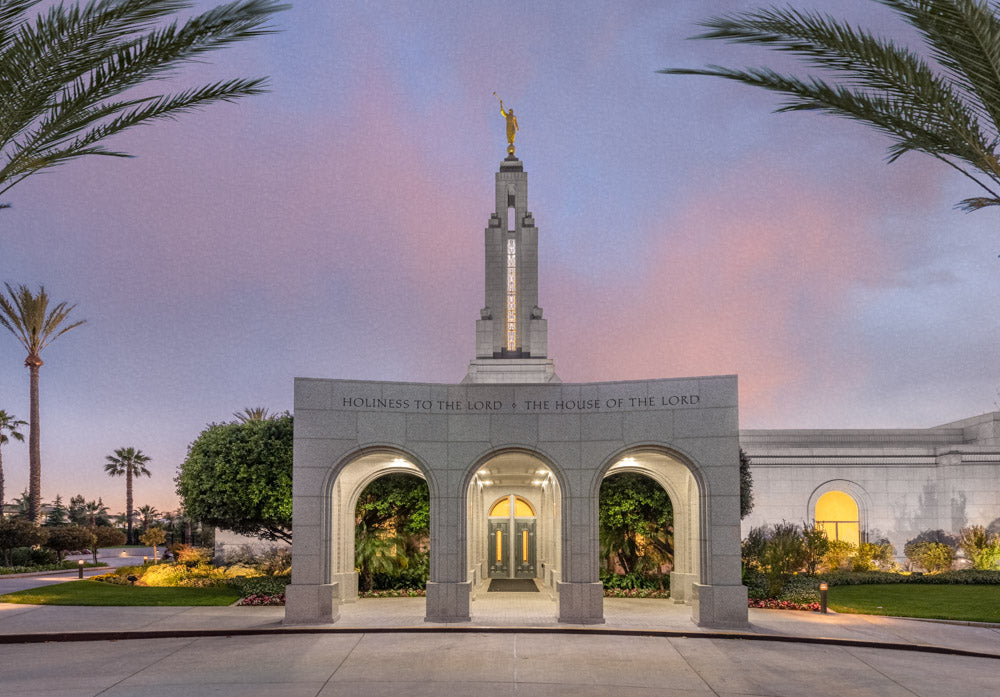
245	573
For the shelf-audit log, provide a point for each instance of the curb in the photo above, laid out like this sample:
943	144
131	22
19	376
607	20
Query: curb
47	637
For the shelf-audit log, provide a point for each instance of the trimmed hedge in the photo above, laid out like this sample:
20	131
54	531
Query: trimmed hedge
863	578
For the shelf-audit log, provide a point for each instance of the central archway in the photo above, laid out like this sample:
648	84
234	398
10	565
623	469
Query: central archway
514	522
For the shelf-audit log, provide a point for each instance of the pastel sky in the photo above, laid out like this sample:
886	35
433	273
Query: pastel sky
333	228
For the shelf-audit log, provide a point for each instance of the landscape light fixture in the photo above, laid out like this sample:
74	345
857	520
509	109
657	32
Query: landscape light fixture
79	565
823	587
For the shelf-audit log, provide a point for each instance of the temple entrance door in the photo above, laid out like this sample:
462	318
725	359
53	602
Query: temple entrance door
499	548
513	540
524	546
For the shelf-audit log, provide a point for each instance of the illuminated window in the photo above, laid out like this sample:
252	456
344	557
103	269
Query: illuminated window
837	515
511	295
522	509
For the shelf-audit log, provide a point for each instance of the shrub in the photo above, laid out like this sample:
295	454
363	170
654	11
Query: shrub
272	561
871	556
932	556
633	581
33	556
69	538
260	585
837	554
191	556
784	554
752	548
816	546
14	533
981	547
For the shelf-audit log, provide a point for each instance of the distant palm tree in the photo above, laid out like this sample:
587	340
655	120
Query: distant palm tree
10	424
27	316
950	110
147	515
131	463
95	511
23	504
253	414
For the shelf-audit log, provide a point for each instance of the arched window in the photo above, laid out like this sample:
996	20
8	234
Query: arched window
837	515
522	509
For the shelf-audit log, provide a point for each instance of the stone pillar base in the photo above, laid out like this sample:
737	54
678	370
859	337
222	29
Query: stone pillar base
448	602
581	603
680	587
311	604
348	585
723	607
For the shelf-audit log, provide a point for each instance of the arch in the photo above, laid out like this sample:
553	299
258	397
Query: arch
539	484
684	483
852	489
522	507
341	489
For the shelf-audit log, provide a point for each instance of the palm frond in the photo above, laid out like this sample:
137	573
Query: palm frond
63	75
964	37
950	111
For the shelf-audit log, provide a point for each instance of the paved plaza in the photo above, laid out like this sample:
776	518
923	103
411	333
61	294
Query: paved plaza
512	647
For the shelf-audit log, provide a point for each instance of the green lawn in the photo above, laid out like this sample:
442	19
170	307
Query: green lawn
958	602
97	593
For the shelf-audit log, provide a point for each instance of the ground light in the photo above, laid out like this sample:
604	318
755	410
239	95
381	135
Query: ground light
823	587
79	566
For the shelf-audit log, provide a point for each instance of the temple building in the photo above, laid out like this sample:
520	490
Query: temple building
514	459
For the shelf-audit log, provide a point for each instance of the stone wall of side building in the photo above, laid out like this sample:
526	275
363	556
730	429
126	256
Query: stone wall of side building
905	481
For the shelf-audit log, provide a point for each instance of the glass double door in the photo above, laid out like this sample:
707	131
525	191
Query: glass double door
512	548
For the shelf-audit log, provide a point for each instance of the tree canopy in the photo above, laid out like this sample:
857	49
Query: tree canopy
636	523
238	476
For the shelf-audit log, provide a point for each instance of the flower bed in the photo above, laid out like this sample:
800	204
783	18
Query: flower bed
771	604
636	593
395	593
259	600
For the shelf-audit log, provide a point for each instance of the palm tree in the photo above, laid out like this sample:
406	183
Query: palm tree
65	72
27	317
131	463
253	414
10	424
949	110
147	515
95	511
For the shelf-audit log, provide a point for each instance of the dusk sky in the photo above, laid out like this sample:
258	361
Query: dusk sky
333	228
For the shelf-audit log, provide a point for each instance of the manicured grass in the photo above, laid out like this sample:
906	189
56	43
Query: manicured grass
97	593
950	602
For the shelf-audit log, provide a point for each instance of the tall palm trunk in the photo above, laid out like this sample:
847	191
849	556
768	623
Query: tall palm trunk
33	362
128	503
1	485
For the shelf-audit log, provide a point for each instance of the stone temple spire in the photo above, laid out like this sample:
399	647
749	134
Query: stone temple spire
511	336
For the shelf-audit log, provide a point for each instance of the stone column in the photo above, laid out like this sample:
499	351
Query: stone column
581	594
448	591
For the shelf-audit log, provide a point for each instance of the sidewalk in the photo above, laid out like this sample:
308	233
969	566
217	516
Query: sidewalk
373	650
507	611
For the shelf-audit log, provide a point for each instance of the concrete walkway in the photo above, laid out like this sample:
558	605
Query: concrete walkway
512	647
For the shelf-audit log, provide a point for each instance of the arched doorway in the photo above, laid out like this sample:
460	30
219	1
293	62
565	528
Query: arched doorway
353	478
513	522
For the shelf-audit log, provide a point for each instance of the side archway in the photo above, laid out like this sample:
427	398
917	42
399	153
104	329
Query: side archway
678	478
346	483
